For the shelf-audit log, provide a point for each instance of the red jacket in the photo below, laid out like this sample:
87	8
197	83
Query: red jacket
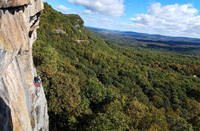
37	85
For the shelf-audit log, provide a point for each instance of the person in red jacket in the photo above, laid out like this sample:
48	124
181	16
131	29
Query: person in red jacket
37	81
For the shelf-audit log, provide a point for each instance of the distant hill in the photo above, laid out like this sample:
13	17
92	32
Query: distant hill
183	45
144	35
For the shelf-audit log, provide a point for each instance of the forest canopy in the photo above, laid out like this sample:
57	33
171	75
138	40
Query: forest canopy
97	85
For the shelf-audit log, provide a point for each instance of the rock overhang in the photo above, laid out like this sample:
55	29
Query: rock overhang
13	3
17	20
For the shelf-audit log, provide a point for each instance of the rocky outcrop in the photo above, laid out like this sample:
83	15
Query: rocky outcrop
23	106
13	3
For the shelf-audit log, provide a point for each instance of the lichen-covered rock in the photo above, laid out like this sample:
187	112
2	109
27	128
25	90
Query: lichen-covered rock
23	107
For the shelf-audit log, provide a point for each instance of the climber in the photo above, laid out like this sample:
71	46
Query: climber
37	81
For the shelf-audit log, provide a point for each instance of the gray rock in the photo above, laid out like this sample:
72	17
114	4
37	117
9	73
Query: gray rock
23	107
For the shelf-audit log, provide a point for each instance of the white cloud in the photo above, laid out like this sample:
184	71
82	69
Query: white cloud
106	7
63	8
174	20
87	12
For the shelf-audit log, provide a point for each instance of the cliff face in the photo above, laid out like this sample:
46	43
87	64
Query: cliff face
23	107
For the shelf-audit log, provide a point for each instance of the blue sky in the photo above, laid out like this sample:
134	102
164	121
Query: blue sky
166	17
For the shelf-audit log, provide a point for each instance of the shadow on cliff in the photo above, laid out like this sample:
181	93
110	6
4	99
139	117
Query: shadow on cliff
5	117
13	10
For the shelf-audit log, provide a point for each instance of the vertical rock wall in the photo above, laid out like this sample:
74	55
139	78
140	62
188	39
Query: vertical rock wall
23	107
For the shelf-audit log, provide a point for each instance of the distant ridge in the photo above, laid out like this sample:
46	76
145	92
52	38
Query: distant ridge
143	35
184	45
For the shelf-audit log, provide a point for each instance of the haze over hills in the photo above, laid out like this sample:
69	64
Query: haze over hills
143	35
183	45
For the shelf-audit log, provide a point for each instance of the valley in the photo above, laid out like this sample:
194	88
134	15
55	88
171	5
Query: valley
95	84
